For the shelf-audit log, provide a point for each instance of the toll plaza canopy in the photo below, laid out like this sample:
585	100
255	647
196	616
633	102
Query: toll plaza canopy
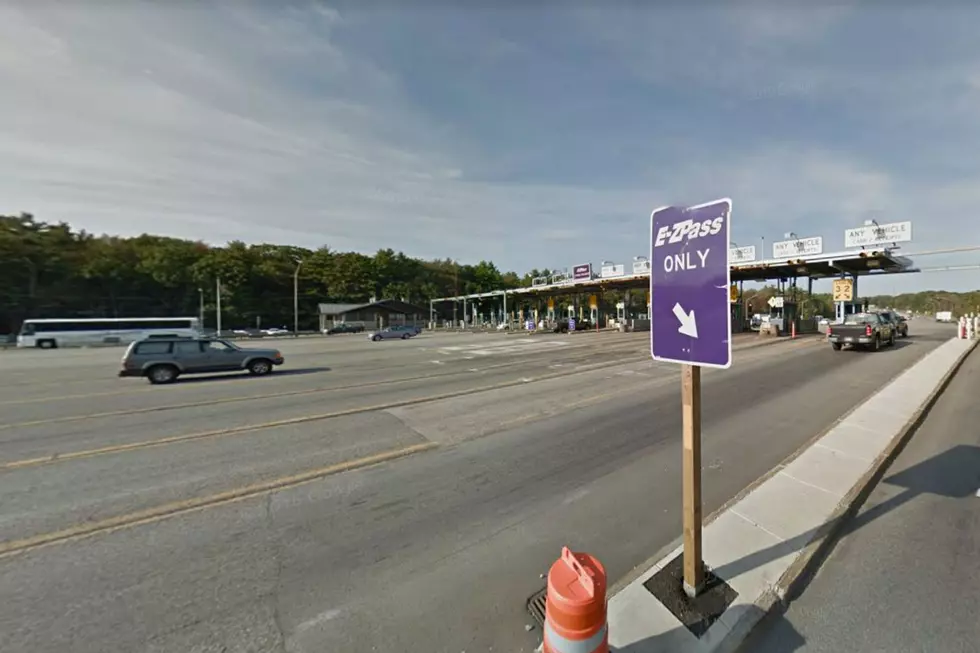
851	263
823	266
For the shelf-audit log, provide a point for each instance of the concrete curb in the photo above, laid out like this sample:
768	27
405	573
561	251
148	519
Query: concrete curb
795	579
643	617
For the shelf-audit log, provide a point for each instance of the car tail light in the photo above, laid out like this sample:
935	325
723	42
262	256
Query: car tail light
830	330
867	330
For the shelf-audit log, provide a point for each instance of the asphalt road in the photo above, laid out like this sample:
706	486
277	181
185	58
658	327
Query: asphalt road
221	517
905	576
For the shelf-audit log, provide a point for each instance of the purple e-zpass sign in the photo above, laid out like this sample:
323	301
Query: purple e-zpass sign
583	271
691	320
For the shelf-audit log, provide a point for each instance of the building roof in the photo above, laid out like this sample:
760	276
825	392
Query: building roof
337	309
393	305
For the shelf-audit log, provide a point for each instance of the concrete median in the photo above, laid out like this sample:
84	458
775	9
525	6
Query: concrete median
771	537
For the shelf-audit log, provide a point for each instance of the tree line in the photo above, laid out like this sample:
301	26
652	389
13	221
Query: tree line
52	270
926	302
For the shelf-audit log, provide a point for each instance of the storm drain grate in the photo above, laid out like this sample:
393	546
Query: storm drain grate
536	606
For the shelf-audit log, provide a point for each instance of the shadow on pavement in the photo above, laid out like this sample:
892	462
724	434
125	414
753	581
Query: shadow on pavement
242	376
954	474
787	637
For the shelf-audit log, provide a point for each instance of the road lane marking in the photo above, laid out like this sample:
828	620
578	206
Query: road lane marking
167	510
578	369
251	428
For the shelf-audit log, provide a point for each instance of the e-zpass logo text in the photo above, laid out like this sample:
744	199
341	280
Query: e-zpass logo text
688	229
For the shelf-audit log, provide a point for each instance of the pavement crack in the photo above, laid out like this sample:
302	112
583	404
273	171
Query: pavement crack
276	550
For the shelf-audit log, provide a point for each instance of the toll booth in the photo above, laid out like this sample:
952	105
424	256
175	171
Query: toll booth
782	313
738	317
789	313
850	308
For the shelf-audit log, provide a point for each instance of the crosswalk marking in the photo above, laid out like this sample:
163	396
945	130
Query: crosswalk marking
519	347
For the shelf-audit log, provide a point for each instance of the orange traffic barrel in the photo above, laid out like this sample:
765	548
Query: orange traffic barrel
575	610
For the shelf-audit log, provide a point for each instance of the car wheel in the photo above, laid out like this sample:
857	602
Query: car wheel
46	344
877	344
260	367
836	346
891	339
161	374
376	338
405	336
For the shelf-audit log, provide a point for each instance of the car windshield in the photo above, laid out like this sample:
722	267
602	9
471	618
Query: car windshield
860	319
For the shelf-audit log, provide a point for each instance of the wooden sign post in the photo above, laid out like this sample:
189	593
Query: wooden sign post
691	324
691	470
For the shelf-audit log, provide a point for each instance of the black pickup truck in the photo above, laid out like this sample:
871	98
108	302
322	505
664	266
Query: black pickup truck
862	330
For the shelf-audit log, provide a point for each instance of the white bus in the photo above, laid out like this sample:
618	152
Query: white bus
50	334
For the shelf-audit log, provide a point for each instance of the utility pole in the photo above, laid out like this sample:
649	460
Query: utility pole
200	306
217	285
455	291
299	264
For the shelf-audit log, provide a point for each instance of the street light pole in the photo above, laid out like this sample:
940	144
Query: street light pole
217	287
455	291
31	278
299	264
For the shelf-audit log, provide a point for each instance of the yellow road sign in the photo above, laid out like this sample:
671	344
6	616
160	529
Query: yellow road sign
734	293
593	301
551	304
843	290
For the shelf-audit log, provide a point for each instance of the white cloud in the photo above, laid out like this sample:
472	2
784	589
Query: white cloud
236	121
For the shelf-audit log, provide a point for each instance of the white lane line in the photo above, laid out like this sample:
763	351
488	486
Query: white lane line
438	362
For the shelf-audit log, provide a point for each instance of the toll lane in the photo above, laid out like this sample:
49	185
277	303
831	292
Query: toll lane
126	420
436	551
181	466
47	368
305	368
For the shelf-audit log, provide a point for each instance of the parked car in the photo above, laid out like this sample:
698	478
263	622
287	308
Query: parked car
394	332
162	360
343	328
862	330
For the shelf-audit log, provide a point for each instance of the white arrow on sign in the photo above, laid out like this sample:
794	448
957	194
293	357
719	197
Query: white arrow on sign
689	325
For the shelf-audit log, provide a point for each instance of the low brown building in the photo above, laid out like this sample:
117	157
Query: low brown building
373	315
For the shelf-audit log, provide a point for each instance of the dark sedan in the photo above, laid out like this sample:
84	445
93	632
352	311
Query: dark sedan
344	328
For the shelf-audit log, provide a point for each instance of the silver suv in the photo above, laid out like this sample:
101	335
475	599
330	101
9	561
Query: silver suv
162	360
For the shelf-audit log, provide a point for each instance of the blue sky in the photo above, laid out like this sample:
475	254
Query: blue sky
532	137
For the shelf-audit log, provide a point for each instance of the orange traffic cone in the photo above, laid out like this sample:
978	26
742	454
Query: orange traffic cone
575	611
